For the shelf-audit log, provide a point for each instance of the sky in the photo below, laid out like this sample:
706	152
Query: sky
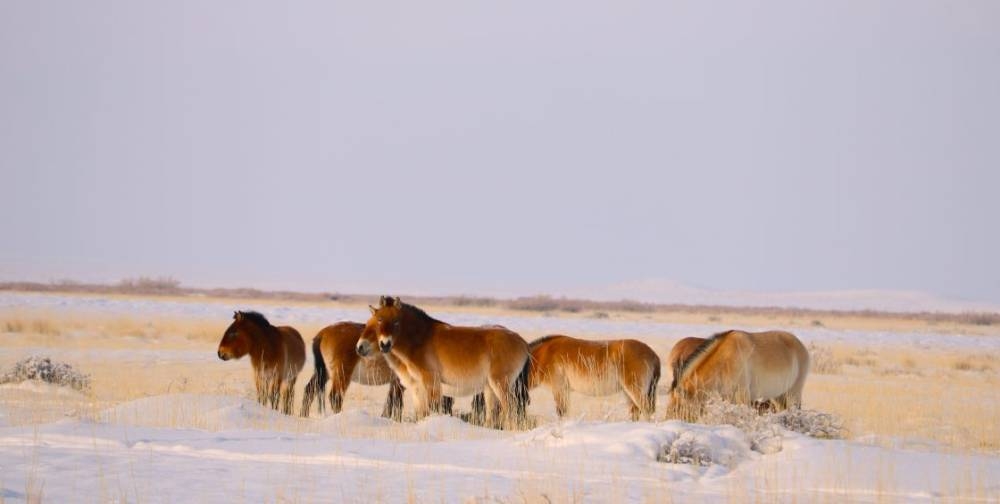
514	147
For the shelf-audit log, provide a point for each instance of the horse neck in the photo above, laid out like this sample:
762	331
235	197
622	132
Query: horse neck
418	329
701	355
263	343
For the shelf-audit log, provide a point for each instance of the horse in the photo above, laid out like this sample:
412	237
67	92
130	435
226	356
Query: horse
756	369
680	353
596	368
277	354
432	357
336	360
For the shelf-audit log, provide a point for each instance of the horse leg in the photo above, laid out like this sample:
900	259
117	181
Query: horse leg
288	395
504	392
560	394
432	394
641	392
307	397
394	400
491	408
447	403
435	400
261	385
477	416
337	390
275	393
793	398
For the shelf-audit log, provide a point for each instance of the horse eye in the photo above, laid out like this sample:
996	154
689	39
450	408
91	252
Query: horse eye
395	325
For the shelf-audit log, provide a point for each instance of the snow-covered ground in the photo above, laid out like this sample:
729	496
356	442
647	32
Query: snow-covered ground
250	454
223	447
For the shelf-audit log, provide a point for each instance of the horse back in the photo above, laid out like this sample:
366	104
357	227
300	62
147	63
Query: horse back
778	350
469	347
339	341
682	350
339	347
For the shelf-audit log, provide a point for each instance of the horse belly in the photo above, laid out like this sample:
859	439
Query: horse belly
463	389
593	384
465	382
371	373
770	385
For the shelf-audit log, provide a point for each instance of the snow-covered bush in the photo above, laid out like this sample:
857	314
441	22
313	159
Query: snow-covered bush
44	369
764	432
686	449
811	423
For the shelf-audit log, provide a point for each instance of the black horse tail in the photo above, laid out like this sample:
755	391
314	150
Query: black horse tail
651	392
316	388
521	396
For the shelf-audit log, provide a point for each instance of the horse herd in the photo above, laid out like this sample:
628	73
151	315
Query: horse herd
404	347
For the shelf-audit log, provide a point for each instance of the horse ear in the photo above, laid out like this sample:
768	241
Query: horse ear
373	309
397	302
381	301
237	316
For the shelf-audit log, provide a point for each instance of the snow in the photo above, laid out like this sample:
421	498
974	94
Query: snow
221	448
120	456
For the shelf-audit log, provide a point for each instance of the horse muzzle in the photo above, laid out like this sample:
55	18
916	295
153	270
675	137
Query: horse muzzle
223	355
385	345
363	348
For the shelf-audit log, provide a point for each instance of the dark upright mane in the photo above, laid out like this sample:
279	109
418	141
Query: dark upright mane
255	318
701	349
534	344
420	313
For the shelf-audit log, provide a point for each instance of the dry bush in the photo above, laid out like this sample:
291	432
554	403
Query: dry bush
473	301
44	326
686	449
764	431
856	361
48	371
535	303
148	285
981	319
968	364
821	360
599	315
14	326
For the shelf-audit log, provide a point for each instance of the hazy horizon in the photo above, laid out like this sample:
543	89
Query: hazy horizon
516	148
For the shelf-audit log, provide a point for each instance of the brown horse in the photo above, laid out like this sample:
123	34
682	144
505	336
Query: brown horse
336	360
596	368
744	368
680	353
432	357
277	354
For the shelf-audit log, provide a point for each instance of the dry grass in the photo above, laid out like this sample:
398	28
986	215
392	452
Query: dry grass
942	397
904	397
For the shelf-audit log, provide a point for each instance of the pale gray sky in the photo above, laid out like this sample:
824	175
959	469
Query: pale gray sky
503	146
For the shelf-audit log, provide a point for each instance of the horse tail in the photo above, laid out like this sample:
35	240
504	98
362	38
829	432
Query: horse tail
651	391
676	367
521	394
316	388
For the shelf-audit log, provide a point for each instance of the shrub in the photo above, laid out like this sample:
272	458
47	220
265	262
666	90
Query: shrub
821	360
46	370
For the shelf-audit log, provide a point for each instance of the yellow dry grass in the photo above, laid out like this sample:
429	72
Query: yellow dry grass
913	396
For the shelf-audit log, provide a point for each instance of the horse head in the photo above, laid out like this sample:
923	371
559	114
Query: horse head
383	327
